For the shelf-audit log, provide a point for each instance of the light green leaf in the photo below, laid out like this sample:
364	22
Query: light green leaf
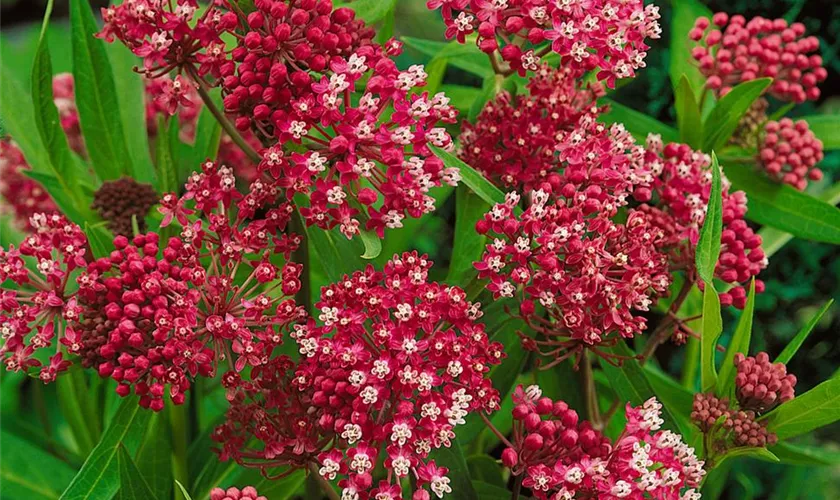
129	85
183	490
826	128
465	56
469	245
708	246
631	385
790	350
740	344
370	11
784	208
77	408
154	457
460	96
132	485
96	97
669	391
797	454
100	244
491	86
772	239
472	178
816	408
684	13
372	243
688	114
727	113
337	254
751	452
711	330
459	475
99	477
637	123
484	468
29	472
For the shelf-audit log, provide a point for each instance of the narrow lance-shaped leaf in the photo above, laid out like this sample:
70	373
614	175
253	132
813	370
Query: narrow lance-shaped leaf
459	475
466	56
712	328
469	245
782	207
472	178
167	174
772	239
683	15
688	114
724	118
827	129
740	344
29	472
96	97
370	11
708	245
793	346
637	123
816	408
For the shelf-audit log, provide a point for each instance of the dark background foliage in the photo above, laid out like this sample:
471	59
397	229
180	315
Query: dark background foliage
800	278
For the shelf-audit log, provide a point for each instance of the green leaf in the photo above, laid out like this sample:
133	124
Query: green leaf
208	135
472	178
465	56
483	468
459	475
490	491
129	85
816	408
460	96
751	452
62	198
132	484
684	13
76	406
154	457
688	114
673	395
708	246
783	207
100	474
727	113
372	243
100	244
62	164
167	174
711	330
826	128
19	122
740	344
370	11
772	239
337	254
489	88
469	245
183	490
29	472
797	454
790	350
637	123
96	97
631	385
206	471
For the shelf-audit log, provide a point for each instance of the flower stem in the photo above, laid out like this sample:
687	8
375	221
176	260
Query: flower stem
589	392
228	127
662	331
301	256
179	431
326	487
517	487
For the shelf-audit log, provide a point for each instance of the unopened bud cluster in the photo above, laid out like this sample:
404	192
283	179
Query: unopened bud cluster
790	152
762	385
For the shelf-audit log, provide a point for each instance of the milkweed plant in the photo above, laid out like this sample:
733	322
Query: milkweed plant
211	286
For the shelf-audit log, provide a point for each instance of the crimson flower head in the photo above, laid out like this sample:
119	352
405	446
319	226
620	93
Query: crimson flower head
397	364
608	35
562	457
566	253
731	50
789	152
367	162
682	185
39	300
286	46
514	138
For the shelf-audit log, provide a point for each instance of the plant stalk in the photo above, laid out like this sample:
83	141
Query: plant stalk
178	423
590	393
301	256
326	487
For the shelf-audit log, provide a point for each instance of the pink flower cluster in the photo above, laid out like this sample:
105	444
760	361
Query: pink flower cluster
565	251
284	42
398	363
761	385
362	161
608	35
789	152
513	140
683	183
735	50
168	35
34	308
560	457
